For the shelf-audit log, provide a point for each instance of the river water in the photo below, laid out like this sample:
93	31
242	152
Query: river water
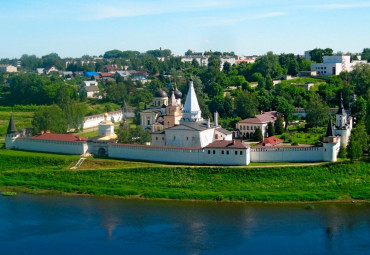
49	224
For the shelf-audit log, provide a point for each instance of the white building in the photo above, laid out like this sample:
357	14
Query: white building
8	69
334	65
202	60
247	127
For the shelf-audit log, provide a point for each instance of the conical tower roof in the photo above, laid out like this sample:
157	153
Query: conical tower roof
329	130
11	127
341	107
191	110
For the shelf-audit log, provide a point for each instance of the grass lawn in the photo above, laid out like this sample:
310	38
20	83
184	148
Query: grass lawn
39	171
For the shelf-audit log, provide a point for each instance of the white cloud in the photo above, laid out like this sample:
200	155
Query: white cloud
217	21
154	7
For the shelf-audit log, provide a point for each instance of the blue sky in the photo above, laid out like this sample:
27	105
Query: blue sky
73	28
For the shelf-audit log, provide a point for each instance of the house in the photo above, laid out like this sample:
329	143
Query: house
90	74
67	74
123	74
39	71
307	73
89	83
8	69
270	141
50	69
247	127
111	68
106	76
91	91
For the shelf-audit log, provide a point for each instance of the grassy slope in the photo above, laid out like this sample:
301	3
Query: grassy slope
310	183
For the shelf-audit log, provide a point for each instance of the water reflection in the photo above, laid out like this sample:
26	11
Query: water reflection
96	225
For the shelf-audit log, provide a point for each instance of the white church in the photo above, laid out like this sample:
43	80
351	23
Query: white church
192	140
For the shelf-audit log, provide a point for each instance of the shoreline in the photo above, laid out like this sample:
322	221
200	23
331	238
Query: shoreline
25	190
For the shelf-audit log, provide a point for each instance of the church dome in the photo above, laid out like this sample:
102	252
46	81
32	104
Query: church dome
160	93
178	94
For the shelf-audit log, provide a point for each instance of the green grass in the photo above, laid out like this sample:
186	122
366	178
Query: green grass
309	183
9	193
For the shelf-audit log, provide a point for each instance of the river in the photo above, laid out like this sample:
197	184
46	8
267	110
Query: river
52	224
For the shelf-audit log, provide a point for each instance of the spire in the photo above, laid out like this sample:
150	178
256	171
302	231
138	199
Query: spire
11	127
329	130
191	110
341	107
173	98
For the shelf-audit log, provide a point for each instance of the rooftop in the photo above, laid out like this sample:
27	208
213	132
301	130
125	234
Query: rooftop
57	137
261	118
235	144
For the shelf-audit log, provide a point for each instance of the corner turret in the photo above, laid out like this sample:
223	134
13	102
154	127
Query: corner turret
11	134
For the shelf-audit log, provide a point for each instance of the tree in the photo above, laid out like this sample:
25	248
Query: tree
342	152
286	109
317	111
49	118
270	129
135	135
226	67
354	149
257	135
317	54
245	104
268	64
269	83
366	54
360	78
358	109
279	125
195	63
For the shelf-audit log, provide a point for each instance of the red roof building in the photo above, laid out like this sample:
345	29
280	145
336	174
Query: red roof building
271	141
57	137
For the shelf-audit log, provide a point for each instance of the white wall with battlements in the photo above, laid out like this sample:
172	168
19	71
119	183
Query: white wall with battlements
328	152
74	148
180	155
94	120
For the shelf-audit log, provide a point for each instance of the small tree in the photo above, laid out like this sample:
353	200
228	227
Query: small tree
354	149
279	125
257	136
270	129
342	151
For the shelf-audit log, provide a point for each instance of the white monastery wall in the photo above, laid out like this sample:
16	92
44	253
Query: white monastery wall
76	148
328	152
94	120
179	155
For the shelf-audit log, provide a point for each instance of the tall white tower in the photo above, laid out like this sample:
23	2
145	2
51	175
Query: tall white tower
341	116
191	111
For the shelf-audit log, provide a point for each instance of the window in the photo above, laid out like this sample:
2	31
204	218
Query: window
222	152
227	152
216	136
174	138
187	138
236	152
247	127
241	152
156	138
209	151
214	152
162	138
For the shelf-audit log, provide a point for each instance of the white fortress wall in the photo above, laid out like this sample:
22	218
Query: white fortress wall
76	148
179	155
94	120
291	154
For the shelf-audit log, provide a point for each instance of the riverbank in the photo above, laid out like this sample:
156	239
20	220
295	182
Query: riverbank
329	182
